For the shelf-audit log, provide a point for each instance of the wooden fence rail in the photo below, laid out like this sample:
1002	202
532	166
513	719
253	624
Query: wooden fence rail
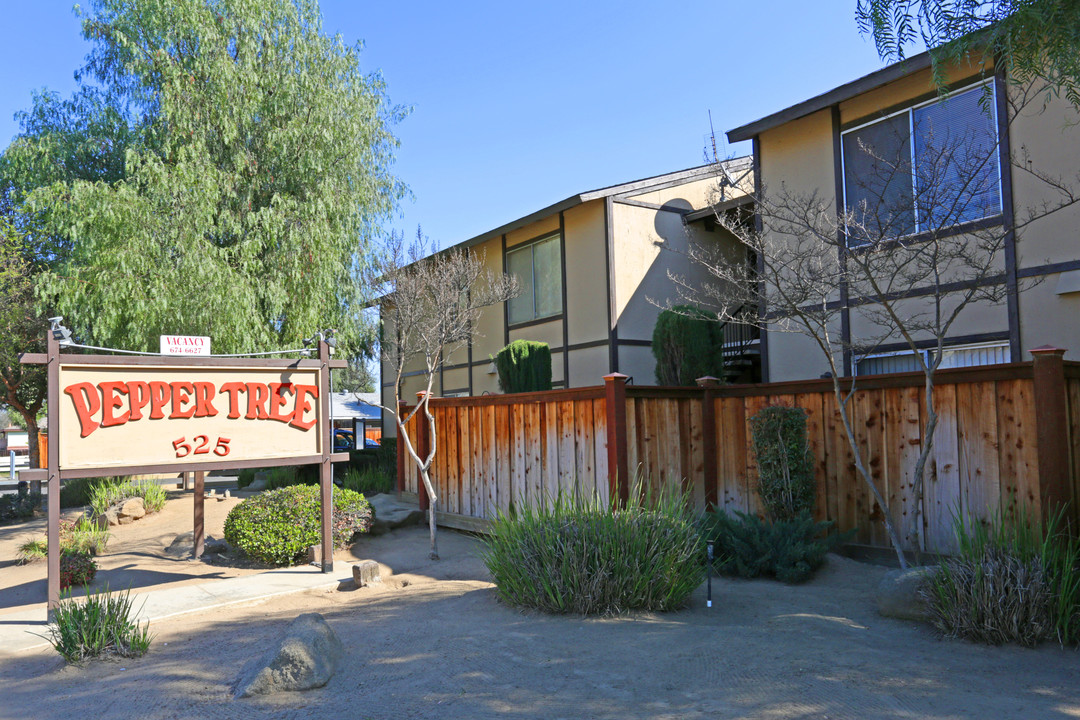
1006	433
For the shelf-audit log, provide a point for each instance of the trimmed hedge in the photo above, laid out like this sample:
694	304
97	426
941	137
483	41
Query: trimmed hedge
524	366
278	526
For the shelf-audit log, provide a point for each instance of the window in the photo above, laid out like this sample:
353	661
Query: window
951	357
538	267
923	169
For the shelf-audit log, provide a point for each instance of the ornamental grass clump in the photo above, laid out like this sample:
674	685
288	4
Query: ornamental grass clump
580	556
99	626
1012	580
116	490
278	526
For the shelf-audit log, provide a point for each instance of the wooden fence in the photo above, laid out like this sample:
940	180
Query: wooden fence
1005	433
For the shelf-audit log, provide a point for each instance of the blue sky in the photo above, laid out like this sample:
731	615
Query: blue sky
518	105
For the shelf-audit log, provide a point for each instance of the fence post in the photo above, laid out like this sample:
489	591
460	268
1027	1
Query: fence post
617	451
1052	428
423	446
402	408
708	432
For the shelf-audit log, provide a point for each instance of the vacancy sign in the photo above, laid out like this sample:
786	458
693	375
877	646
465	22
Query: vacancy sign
185	345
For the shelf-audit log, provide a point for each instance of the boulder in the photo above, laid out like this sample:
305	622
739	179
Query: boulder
898	596
390	513
305	657
110	517
366	573
133	508
259	483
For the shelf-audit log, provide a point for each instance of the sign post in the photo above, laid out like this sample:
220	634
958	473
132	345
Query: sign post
110	414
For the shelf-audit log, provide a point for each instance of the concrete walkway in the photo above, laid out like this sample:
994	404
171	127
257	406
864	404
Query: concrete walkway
23	630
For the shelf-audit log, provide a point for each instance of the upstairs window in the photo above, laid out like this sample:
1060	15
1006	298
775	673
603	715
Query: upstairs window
924	169
538	268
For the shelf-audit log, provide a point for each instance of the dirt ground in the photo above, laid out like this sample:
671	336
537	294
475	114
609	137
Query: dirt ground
432	641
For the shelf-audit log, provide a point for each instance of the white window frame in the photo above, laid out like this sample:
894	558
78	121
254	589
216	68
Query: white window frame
926	353
530	246
910	112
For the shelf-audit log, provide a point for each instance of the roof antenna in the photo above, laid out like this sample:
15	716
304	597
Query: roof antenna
712	140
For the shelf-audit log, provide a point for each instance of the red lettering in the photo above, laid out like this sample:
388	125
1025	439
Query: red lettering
204	395
302	406
181	393
85	398
258	394
159	398
278	401
138	396
110	401
234	389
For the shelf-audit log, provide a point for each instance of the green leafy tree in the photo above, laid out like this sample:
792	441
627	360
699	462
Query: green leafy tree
1037	40
687	343
256	166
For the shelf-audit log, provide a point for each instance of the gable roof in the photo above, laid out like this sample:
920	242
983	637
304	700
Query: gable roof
644	185
876	79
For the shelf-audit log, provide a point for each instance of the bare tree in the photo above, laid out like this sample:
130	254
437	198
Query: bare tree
921	239
430	307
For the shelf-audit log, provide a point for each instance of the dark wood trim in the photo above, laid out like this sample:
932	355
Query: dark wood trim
565	306
948	343
609	262
912	102
468	348
538	321
1048	269
456	390
52	423
841	242
506	304
633	342
941	234
178	361
587	345
763	342
653	206
1052	430
326	469
1008	217
74	473
199	514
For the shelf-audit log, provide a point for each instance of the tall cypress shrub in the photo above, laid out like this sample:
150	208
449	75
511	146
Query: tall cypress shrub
688	343
524	366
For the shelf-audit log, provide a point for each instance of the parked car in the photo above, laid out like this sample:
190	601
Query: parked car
344	440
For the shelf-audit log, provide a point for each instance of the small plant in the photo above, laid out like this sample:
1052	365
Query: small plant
1013	579
524	366
76	568
101	625
84	536
580	556
785	464
279	477
245	477
369	481
116	490
278	526
748	547
33	550
687	343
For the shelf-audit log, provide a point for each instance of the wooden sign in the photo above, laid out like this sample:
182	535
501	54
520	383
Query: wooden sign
189	416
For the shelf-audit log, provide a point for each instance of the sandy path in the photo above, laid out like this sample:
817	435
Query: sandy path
433	642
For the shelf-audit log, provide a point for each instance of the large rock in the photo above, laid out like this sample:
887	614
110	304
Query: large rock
898	596
390	513
304	658
366	573
259	483
133	508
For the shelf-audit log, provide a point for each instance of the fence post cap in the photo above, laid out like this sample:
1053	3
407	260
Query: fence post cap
1047	350
420	395
708	381
616	376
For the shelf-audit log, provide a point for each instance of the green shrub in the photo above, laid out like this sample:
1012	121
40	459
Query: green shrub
245	477
19	506
76	568
1013	579
278	526
524	366
102	625
33	550
76	493
579	556
687	343
370	481
748	547
785	464
112	491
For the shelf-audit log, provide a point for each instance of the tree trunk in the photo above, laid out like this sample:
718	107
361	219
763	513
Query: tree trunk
433	501
32	441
